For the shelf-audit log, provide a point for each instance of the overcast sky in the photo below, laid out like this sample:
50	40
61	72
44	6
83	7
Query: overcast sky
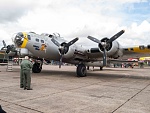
77	18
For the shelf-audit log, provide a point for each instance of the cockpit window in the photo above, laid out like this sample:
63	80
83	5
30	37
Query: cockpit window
42	41
37	39
51	36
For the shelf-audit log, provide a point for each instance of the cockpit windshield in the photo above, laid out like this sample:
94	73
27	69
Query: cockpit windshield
57	35
46	34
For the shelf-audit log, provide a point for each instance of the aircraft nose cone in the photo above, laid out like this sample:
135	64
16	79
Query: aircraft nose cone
18	39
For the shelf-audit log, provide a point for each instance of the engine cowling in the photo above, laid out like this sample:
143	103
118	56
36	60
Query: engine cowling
23	52
113	49
70	53
64	49
108	47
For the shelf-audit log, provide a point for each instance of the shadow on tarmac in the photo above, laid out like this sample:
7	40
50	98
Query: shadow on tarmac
98	74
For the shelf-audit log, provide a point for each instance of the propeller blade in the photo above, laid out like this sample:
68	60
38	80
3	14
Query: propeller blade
94	39
72	42
115	36
8	49
4	44
104	57
60	62
63	47
55	42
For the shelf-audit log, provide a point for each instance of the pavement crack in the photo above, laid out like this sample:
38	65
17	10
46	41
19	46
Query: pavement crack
96	96
58	92
130	98
21	106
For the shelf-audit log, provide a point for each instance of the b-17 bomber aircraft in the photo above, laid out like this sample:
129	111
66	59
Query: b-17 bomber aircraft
54	47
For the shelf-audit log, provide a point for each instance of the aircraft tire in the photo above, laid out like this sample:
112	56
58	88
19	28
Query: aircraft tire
36	68
81	70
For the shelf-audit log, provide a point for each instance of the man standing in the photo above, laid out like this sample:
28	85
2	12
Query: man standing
26	66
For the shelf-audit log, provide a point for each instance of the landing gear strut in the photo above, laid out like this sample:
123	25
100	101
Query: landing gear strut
101	68
81	70
37	67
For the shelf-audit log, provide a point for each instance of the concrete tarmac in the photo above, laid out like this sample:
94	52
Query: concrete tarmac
113	90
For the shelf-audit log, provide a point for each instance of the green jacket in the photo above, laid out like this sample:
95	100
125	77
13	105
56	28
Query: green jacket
26	65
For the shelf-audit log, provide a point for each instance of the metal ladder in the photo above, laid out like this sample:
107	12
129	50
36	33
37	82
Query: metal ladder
10	65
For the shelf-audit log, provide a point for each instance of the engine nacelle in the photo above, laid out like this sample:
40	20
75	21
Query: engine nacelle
23	52
113	49
117	54
70	53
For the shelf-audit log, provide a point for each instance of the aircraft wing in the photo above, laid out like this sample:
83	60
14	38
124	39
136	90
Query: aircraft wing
138	51
122	53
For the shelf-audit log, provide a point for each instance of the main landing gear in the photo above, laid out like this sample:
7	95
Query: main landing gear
37	67
81	70
101	68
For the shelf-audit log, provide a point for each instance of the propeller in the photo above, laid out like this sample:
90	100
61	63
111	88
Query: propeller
115	36
7	49
4	48
4	44
105	43
10	48
63	47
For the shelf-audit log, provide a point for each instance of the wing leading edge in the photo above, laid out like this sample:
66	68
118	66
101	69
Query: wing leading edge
137	51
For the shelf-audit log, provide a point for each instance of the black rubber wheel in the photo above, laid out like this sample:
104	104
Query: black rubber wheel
36	68
81	70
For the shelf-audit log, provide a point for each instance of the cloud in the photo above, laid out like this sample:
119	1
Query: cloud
10	10
72	19
136	34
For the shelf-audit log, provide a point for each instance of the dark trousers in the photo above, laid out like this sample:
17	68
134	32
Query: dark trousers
26	79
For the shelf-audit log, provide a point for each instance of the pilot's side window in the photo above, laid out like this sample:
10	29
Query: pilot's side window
42	41
51	36
37	40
